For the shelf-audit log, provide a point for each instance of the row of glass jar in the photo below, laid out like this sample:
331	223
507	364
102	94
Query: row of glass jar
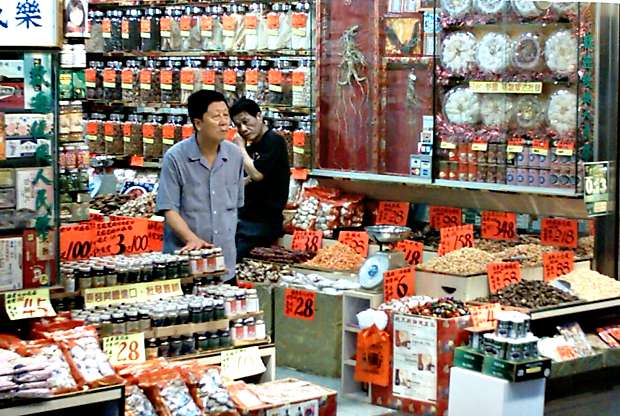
74	156
171	347
213	28
74	180
171	81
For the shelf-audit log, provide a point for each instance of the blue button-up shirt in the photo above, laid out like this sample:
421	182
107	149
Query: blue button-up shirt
207	198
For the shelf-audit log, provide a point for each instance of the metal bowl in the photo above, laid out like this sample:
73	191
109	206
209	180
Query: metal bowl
383	234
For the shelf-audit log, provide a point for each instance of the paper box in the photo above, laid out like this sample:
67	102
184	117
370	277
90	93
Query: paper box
517	371
11	266
426	358
469	358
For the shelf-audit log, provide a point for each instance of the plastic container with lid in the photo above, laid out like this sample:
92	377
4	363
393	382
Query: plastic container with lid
122	273
151	348
133	275
146	273
145	320
158	317
133	321
151	138
252	302
208	311
111	31
112	82
220	311
159	269
149	30
170	82
132	135
111	276
98	275
220	264
202	342
163	349
130	83
230	304
191	38
93	77
249	329
172	271
169	29
225	338
176	345
167	134
241	302
149	83
188	345
118	324
238	330
261	331
113	135
195	312
130	30
171	315
85	278
182	315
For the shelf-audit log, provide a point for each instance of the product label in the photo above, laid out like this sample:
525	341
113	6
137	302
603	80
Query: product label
146	78
109	78
446	144
127	79
127	132
148	131
106	28
125	349
299	81
250	23
125	29
90	76
565	148
165	27
299	139
299	22
165	78
186	25
251	80
499	225
167	131
25	304
559	232
230	80
503	274
454	238
299	304
557	263
392	213
145	28
398	283
274	77
208	79
187	131
413	251
108	131
441	217
206	26
479	145
357	240
540	147
307	241
91	130
273	24
515	145
229	25
187	79
495	87
132	293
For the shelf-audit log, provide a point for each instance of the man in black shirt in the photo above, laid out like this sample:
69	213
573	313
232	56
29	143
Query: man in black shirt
265	159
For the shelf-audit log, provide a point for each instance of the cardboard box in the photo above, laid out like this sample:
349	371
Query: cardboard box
443	284
468	358
28	186
11	263
517	371
38	262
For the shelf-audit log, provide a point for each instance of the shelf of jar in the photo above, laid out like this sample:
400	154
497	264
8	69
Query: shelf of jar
187	329
245	315
152	3
217	351
249	55
181	109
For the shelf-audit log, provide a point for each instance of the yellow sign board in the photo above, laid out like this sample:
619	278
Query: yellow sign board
125	349
30	303
497	87
132	293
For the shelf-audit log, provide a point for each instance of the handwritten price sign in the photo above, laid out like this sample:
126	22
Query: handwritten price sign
125	349
484	314
299	304
357	240
441	217
309	241
392	213
499	225
76	242
240	363
454	238
398	283
503	274
557	263
413	251
25	304
559	232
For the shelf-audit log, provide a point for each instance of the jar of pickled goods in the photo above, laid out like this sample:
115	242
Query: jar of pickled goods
94	133
151	138
130	83
112	82
280	88
301	86
149	83
130	30
301	36
167	134
113	132
93	81
149	30
170	82
132	135
190	29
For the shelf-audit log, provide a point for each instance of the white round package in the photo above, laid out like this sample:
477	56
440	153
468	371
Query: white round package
494	51
561	52
529	112
491	7
461	106
562	111
456	8
530	8
496	109
458	52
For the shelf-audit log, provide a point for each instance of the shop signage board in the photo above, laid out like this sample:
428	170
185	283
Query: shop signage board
243	362
125	349
132	293
415	369
596	188
30	23
557	263
25	304
398	283
299	304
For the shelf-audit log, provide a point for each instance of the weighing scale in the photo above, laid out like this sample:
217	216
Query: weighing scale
371	272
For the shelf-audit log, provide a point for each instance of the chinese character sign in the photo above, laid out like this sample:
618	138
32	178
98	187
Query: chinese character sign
30	23
24	304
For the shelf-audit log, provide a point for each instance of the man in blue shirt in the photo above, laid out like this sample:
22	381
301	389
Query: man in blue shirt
201	182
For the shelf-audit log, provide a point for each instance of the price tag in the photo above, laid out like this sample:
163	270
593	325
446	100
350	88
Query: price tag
499	225
565	148
559	232
484	314
156	235
557	263
243	362
413	251
398	283
540	147
596	180
446	144
503	274
125	349
479	144
441	217
299	174
515	145
25	304
309	241
393	213
131	293
77	242
299	304
357	240
454	238
124	235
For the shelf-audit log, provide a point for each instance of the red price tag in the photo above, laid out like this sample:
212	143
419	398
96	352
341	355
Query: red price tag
559	232
309	241
413	251
357	240
503	274
557	263
393	213
299	304
136	160
299	174
454	238
156	235
77	242
484	314
499	225
398	283
441	217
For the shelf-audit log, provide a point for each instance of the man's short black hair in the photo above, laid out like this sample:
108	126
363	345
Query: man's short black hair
244	105
198	103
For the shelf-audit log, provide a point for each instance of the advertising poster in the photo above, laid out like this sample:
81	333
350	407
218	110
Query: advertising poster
415	358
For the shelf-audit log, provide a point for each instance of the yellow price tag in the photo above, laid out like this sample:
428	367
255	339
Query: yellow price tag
25	304
240	363
132	293
125	349
495	87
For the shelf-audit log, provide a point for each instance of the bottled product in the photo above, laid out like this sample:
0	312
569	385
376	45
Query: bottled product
132	135
151	137
301	37
149	30
130	83
190	29
301	86
113	135
149	83
130	30
112	82
253	27
170	82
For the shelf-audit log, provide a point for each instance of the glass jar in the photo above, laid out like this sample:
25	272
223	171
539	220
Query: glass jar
241	302
188	346
133	322
163	349
195	312
220	312
98	276
158	317
230	304
167	25
105	326
132	135
112	82
150	31
182	315
149	83
301	90
151	138
252	303
225	339
220	264
238	330
176	345
122	273
145	320
208	311
113	135
167	134
205	253
260	329
130	30
94	81
249	329
118	324
151	348
146	274
280	88
171	315
202	343
195	262
133	275
111	277
85	278
130	83
159	269
214	341
171	268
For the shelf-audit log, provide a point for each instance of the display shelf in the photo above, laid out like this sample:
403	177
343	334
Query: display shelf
508	188
361	176
151	3
574	308
97	396
187	329
23	162
285	53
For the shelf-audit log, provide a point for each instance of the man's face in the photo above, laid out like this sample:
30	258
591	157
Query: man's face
250	128
215	122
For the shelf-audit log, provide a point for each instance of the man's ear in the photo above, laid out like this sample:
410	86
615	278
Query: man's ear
197	123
